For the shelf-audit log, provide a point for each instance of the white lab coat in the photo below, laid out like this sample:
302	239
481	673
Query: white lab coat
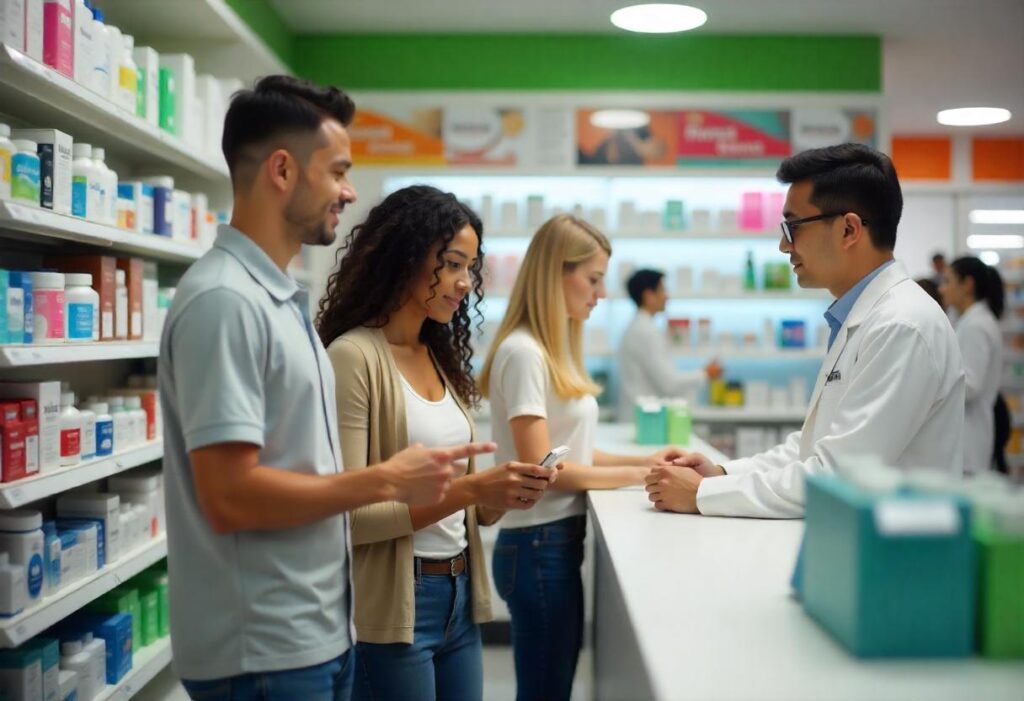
892	387
981	345
646	368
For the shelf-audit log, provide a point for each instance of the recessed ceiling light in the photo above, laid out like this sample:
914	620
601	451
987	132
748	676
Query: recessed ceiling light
979	241
997	216
659	18
989	257
620	119
973	116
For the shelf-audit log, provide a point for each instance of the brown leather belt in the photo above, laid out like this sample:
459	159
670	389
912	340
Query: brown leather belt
452	567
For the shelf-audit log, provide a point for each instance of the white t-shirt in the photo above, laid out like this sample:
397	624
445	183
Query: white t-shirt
437	424
521	386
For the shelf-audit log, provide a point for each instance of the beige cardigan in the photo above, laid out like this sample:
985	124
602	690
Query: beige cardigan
371	423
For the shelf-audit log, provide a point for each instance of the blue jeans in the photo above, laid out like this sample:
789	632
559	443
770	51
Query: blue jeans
444	661
330	681
537	573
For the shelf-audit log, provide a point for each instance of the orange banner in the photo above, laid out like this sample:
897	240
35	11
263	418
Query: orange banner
413	138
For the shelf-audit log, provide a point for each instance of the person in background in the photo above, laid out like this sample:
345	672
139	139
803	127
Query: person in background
541	397
256	536
975	291
939	269
645	359
892	384
397	325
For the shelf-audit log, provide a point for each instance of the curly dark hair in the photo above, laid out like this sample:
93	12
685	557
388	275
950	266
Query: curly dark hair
379	259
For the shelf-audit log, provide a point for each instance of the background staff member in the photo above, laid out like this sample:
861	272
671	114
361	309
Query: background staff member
645	359
892	385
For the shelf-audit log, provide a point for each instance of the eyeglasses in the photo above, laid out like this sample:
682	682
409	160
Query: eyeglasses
788	227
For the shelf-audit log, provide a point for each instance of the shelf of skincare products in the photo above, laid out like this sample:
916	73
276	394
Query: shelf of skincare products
716	414
36	222
682	296
728	352
13	356
40	94
618	235
40	486
146	664
49	610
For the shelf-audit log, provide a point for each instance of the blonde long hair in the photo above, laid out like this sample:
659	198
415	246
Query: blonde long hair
537	303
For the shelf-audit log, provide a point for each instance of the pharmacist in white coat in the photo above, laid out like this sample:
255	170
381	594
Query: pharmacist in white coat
975	291
892	385
645	358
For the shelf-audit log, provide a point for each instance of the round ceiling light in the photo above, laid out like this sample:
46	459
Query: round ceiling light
620	119
659	18
973	116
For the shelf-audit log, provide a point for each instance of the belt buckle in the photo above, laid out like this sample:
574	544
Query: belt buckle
452	564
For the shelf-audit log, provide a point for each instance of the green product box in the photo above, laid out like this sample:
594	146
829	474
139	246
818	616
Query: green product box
1000	593
157	580
124	599
673	218
149	598
679	424
651	424
168	101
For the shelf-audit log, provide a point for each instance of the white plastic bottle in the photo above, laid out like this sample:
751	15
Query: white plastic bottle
85	190
100	56
120	307
70	431
122	424
84	52
81	309
109	179
12	586
127	76
6	154
104	427
88	434
133	405
115	50
96	648
74	658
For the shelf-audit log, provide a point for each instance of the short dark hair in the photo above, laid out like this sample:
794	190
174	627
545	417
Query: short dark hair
937	257
276	106
641	281
851	178
988	283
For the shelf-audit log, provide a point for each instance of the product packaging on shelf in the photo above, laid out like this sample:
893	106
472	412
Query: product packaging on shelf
102	269
55	155
46	395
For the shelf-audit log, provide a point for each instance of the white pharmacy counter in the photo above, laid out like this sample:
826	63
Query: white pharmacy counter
689	607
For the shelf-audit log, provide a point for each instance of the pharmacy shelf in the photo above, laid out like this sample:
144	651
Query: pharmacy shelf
40	95
18	356
146	664
679	297
34	223
754	353
26	491
220	41
742	415
17	629
659	235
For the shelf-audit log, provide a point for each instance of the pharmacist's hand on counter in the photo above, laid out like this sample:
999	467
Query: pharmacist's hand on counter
665	456
699	463
673	488
513	485
421	476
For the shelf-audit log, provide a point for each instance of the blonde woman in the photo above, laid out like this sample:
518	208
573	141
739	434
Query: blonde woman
541	396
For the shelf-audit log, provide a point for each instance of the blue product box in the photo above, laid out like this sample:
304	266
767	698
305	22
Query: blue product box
889	575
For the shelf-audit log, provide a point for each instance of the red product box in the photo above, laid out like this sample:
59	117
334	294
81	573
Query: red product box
30	419
12	442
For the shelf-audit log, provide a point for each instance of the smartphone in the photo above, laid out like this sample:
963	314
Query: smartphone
555	456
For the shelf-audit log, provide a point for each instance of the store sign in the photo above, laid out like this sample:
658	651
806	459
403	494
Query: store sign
483	136
752	135
815	127
412	137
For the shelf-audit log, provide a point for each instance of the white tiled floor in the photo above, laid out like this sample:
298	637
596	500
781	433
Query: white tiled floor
499	680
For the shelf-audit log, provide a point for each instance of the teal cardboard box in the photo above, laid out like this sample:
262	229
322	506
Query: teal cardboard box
889	575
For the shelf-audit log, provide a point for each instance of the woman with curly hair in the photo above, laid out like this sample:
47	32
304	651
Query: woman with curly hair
396	323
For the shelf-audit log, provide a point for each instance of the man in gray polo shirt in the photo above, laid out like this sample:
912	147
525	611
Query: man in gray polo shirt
256	496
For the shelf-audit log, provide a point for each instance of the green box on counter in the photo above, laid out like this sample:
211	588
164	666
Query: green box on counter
1001	593
651	423
889	575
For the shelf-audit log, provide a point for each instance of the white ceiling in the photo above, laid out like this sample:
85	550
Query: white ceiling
937	53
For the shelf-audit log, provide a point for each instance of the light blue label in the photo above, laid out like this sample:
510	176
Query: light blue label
80	321
34	573
79	196
104	437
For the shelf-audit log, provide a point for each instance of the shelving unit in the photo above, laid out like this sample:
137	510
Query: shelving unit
38	94
25	491
707	414
31	622
19	356
725	353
